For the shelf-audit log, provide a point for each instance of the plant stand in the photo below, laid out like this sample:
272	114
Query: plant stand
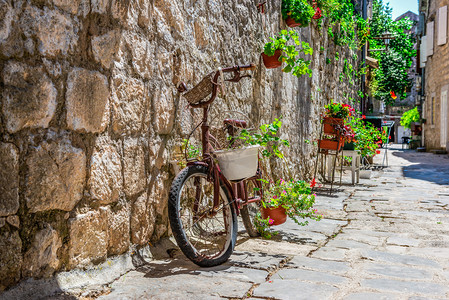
324	150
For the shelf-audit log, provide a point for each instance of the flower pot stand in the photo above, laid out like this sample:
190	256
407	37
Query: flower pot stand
330	145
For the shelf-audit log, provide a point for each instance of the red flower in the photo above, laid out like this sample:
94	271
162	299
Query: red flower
377	151
317	14
363	117
393	95
313	183
389	137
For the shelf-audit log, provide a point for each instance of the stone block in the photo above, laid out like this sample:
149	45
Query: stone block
105	182
129	100
42	259
88	238
99	6
76	7
159	192
142	54
55	176
13	221
143	220
29	97
105	47
133	167
118	229
87	101
6	17
164	111
56	33
10	258
9	179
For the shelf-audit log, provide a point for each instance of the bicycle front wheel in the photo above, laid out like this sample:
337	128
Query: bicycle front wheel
205	235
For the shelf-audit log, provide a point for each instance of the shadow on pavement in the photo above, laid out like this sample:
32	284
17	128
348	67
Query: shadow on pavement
426	166
36	289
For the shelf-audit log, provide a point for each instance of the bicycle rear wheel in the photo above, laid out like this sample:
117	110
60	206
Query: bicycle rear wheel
249	211
206	236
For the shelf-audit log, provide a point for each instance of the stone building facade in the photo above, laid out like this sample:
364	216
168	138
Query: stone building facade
434	57
90	116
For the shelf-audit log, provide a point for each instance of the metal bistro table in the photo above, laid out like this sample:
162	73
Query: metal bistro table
355	166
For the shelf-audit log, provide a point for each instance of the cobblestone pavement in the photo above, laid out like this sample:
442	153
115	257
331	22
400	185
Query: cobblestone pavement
386	238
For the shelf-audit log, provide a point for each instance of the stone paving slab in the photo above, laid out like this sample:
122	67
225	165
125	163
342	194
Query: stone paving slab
348	244
261	261
371	296
398	271
330	253
309	276
294	290
398	258
335	267
410	287
135	285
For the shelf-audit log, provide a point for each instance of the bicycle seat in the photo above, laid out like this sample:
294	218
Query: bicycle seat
235	123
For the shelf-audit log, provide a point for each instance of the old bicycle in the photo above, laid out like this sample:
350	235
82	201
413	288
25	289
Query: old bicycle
203	203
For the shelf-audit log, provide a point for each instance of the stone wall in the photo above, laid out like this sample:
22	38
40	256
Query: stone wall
90	116
436	82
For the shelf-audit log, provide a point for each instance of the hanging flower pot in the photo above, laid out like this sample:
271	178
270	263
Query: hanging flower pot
330	144
272	62
330	124
278	215
292	23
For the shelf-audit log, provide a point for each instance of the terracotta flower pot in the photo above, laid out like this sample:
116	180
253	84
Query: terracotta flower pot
291	22
330	123
278	215
272	62
330	144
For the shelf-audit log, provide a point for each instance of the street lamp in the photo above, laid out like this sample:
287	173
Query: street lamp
386	37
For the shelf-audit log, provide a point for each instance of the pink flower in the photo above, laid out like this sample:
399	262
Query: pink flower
270	221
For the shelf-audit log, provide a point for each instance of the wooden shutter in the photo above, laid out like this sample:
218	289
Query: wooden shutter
429	36
442	25
422	51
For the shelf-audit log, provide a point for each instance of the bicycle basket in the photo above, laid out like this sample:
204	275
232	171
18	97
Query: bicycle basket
200	91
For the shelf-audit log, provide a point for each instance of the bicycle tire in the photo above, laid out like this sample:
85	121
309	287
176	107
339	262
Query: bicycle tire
205	237
250	210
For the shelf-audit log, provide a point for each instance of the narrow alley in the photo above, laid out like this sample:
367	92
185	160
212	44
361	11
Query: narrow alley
387	238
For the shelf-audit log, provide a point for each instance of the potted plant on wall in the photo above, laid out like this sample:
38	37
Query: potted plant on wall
280	51
335	115
297	12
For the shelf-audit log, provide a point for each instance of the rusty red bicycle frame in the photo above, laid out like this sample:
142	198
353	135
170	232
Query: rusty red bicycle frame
238	191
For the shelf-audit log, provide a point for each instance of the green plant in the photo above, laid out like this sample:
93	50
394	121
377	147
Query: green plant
267	137
366	137
188	152
295	64
410	116
299	10
294	196
338	110
391	78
